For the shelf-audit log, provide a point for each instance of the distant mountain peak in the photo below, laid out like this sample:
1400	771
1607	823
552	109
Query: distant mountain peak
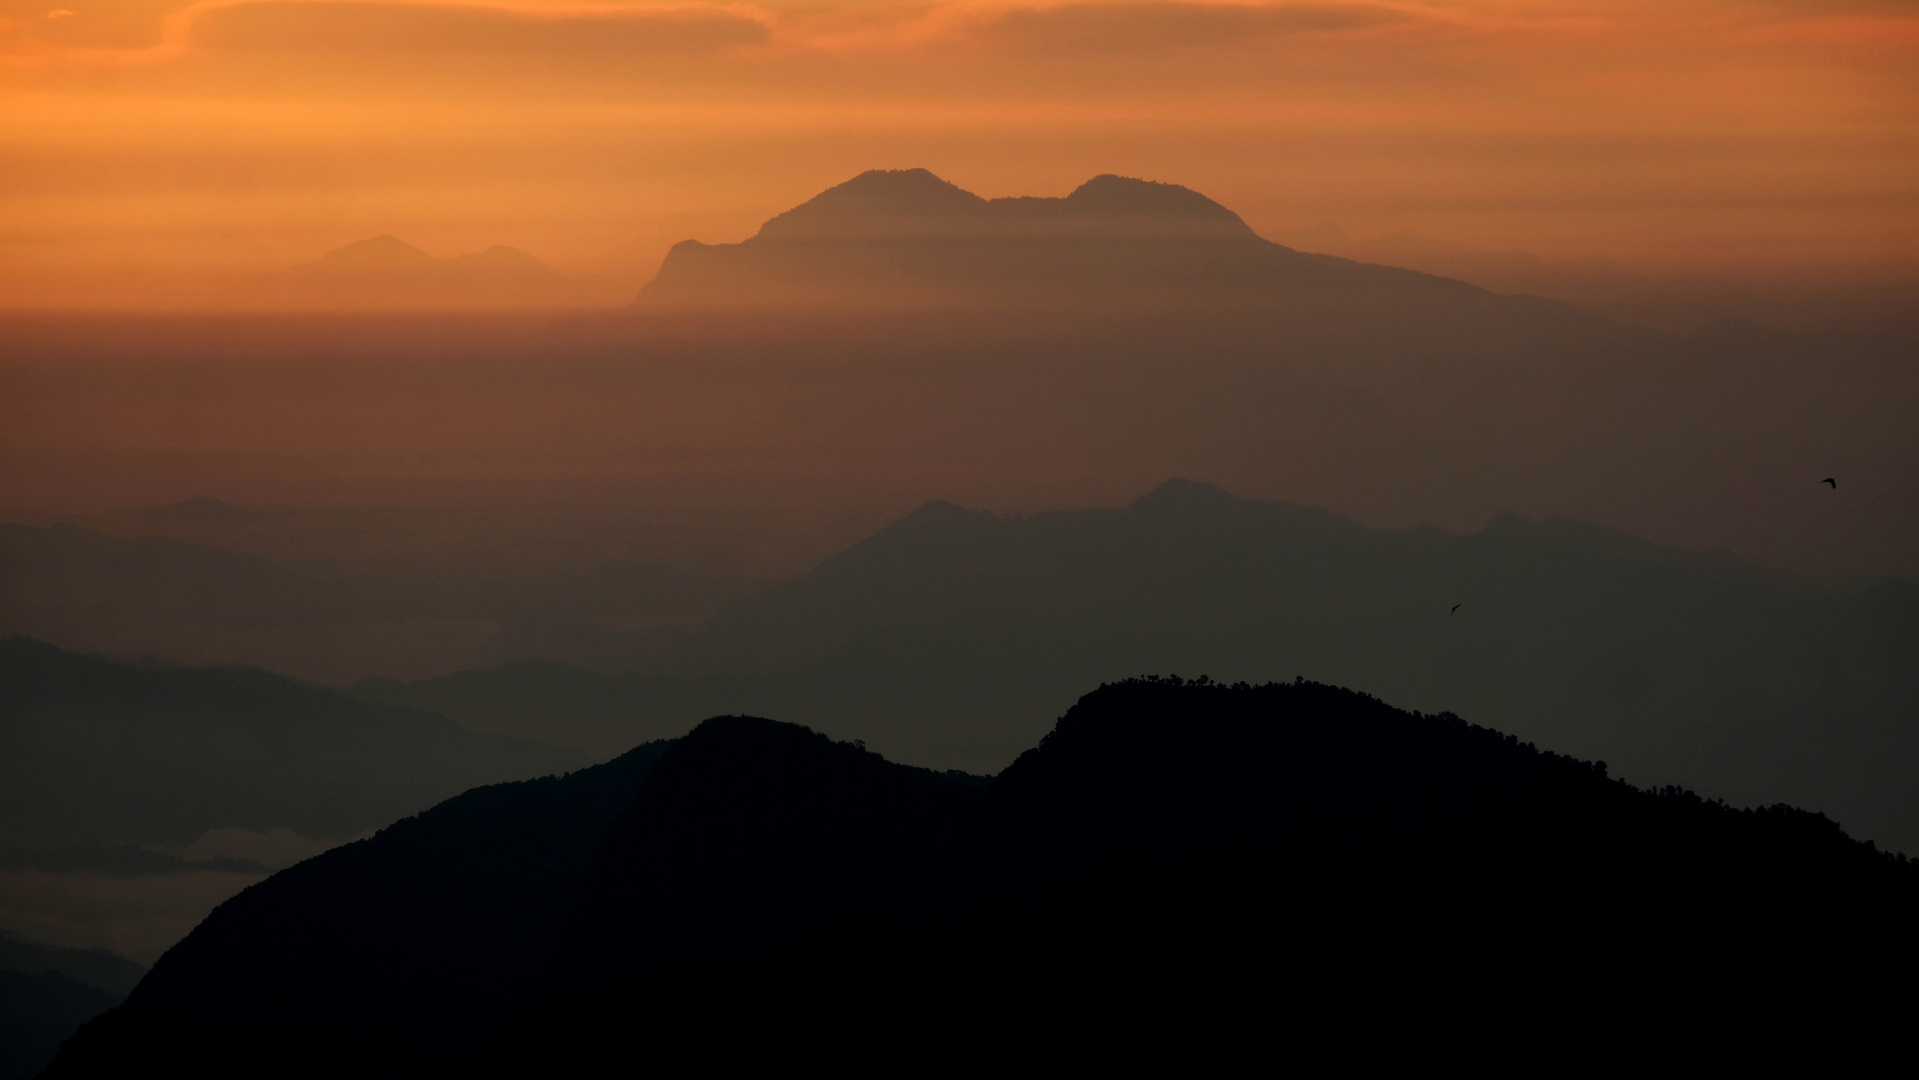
384	250
907	238
878	202
916	189
1178	496
387	271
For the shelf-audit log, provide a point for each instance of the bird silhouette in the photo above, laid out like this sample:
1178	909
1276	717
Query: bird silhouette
1834	483
1455	609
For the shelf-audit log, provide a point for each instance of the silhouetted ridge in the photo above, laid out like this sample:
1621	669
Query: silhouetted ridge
405	950
756	839
1165	842
1176	860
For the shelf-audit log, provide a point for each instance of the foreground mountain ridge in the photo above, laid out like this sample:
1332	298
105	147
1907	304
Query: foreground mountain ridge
754	880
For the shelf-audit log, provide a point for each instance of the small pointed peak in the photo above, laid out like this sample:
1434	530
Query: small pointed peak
938	516
877	203
930	526
1510	521
383	250
1181	496
939	509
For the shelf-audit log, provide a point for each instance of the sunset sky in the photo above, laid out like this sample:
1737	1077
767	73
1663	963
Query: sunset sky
152	152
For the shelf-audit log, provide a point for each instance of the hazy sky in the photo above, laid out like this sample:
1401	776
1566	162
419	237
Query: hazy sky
149	147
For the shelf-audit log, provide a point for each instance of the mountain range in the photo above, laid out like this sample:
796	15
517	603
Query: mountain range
106	752
365	605
47	993
952	636
1185	861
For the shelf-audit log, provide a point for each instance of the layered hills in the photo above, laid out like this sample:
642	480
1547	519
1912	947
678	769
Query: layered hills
906	238
1177	860
47	993
339	595
106	752
953	636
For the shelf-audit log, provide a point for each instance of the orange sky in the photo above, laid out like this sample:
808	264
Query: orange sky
152	152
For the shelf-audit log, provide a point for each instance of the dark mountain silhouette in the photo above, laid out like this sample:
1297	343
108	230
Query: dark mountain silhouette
387	272
45	994
952	636
1177	861
889	238
459	908
104	752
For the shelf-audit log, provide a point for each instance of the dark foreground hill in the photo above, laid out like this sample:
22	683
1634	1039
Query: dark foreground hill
1175	862
406	950
102	752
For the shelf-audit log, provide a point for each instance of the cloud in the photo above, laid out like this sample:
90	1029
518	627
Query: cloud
429	29
1158	25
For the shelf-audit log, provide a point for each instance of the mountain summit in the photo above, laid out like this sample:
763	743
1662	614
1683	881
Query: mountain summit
387	272
1180	859
913	204
907	238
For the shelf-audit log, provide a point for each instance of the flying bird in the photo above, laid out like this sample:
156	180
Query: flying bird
1832	482
1455	609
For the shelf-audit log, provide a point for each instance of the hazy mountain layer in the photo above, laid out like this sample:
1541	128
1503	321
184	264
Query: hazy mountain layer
104	752
387	273
45	994
1175	859
391	592
952	636
1444	409
105	971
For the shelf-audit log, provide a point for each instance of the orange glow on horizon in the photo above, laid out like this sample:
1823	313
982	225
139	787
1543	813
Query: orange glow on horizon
158	153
